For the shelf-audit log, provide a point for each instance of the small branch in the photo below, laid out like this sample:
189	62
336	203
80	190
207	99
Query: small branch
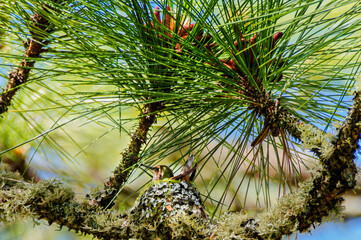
51	201
33	49
55	203
316	198
276	117
130	156
347	140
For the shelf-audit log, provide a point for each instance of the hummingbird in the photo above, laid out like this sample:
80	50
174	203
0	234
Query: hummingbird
162	171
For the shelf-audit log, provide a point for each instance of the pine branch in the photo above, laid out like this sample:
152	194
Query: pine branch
55	203
275	116
324	193
49	200
130	156
316	198
33	48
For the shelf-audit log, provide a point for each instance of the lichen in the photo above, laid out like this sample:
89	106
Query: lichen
20	200
235	226
186	226
281	218
313	138
52	201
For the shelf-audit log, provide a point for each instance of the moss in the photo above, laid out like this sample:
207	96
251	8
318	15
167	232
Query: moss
21	200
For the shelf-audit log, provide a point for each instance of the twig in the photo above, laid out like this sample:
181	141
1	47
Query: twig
33	49
130	156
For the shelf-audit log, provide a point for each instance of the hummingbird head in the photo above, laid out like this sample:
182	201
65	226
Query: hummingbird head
160	172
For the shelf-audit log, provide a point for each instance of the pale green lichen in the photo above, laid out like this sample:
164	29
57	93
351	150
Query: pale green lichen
52	201
313	138
234	226
23	200
185	226
293	209
281	218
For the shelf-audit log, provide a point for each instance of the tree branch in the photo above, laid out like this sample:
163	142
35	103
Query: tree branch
317	197
55	203
298	211
278	117
130	156
33	49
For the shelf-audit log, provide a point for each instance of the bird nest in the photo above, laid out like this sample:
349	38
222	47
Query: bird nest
163	200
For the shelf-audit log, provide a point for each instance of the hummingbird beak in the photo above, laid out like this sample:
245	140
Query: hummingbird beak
147	166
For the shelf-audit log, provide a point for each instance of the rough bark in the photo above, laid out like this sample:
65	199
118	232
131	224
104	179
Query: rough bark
130	157
33	48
